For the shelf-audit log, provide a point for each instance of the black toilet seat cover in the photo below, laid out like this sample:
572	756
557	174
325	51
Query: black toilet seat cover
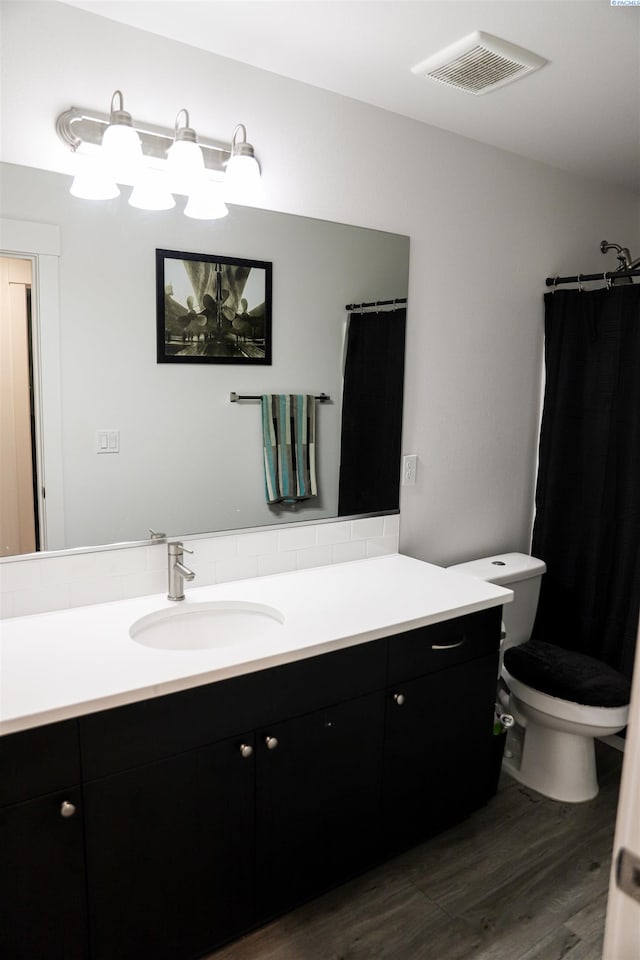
567	674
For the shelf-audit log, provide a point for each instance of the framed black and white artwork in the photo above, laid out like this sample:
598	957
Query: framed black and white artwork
212	309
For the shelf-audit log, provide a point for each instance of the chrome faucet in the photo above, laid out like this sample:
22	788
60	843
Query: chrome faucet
178	573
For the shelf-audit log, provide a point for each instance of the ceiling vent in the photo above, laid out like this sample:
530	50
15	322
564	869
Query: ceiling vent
479	63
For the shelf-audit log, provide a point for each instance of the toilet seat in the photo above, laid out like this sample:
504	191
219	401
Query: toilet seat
567	709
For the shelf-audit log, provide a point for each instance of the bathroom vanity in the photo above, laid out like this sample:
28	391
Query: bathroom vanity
164	820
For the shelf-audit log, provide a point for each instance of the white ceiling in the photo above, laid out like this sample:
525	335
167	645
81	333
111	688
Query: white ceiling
581	112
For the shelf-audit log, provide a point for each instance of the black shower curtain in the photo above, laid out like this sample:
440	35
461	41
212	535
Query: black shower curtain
372	412
587	524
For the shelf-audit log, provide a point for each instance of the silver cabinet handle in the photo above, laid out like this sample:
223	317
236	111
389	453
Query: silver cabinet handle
399	698
67	809
246	750
448	646
271	742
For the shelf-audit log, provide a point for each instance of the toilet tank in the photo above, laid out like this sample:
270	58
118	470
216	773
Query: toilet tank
520	573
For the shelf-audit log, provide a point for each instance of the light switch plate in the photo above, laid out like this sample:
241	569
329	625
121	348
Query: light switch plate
108	441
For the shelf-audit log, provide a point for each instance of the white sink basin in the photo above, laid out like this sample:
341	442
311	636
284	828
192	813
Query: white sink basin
200	626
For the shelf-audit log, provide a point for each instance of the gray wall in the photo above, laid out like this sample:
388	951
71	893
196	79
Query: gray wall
486	228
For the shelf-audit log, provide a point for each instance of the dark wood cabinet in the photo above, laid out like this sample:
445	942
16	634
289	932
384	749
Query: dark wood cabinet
318	800
438	750
143	861
43	907
203	813
169	854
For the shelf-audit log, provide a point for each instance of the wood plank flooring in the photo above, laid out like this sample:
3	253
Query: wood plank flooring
524	878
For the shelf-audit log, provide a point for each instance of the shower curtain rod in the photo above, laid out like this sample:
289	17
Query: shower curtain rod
608	275
374	303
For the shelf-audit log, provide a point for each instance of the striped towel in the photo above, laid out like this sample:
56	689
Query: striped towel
289	442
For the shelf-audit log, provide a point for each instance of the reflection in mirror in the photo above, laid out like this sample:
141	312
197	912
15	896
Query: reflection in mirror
146	445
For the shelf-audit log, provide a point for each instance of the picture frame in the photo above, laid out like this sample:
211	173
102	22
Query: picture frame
213	308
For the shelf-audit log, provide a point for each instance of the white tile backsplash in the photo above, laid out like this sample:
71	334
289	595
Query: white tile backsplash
77	579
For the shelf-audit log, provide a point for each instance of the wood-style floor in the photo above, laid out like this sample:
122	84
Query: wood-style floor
524	878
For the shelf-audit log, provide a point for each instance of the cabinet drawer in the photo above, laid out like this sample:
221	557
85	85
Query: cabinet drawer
38	761
442	645
125	737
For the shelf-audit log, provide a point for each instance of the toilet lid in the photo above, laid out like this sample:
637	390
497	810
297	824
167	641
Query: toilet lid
567	674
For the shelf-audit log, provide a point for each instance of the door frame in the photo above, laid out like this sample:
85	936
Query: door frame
40	243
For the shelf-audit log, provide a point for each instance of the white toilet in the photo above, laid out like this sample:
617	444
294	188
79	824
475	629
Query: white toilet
551	747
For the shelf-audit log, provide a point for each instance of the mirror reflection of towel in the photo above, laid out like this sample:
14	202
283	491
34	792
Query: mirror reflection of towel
289	447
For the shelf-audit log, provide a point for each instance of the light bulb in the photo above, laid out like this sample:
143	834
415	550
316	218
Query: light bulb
242	183
121	148
185	163
206	202
151	192
91	181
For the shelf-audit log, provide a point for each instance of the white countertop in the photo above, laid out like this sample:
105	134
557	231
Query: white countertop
73	662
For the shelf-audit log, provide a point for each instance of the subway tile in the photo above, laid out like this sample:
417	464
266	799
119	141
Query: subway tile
95	590
283	562
216	548
314	557
381	546
367	527
258	544
20	575
240	568
391	526
41	600
144	584
298	538
338	532
354	550
6	605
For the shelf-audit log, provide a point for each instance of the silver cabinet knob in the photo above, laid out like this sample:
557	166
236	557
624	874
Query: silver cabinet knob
271	742
67	809
246	750
399	698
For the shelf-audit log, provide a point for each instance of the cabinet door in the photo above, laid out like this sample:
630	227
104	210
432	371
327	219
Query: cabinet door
169	854
143	862
226	813
42	879
438	750
318	800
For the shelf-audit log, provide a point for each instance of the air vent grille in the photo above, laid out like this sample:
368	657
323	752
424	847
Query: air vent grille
479	63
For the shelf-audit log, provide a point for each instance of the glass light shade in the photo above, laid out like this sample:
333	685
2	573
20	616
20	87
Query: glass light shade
91	181
242	183
151	192
206	202
185	166
122	152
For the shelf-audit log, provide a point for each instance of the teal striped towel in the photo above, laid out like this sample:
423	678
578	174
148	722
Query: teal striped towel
289	443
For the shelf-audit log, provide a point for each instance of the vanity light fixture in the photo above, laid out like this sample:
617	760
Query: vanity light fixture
121	148
185	163
242	176
157	162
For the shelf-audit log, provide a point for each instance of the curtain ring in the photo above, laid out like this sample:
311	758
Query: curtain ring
607	278
553	285
580	287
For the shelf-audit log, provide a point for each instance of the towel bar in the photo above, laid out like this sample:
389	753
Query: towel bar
234	397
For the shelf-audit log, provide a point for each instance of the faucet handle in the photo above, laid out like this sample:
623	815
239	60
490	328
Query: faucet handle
177	548
157	535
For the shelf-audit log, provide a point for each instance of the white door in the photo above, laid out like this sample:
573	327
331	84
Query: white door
622	930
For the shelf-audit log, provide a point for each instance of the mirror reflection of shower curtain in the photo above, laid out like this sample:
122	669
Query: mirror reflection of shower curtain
587	525
372	412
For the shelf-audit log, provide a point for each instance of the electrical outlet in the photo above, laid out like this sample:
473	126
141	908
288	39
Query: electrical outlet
409	470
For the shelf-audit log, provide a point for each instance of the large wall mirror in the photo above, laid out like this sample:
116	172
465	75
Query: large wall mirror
188	460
